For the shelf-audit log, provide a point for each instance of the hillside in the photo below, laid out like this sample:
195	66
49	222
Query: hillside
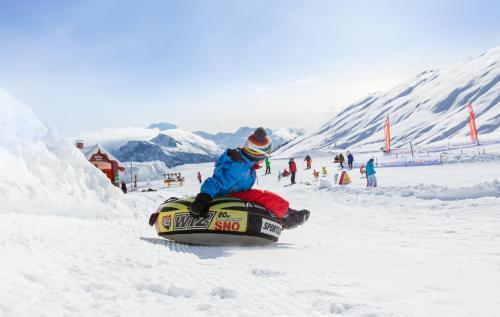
429	109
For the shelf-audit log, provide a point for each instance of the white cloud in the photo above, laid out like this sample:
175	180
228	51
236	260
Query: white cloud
112	138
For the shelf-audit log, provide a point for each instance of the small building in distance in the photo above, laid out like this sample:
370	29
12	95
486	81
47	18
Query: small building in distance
103	160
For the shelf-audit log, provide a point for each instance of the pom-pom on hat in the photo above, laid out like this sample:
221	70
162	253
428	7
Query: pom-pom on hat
258	145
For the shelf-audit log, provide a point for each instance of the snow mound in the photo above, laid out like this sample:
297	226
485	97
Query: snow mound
43	173
428	192
487	189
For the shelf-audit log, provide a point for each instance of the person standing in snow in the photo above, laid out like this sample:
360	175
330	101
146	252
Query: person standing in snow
268	166
199	177
124	187
308	161
293	169
234	175
350	160
371	180
341	160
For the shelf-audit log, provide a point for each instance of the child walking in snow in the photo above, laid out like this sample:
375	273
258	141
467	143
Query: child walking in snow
268	166
234	176
371	180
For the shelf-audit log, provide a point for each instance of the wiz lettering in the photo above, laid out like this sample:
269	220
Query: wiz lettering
183	221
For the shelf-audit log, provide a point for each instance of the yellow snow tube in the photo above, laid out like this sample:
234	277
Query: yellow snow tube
229	221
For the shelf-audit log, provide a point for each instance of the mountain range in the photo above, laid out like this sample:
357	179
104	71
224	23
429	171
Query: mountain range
429	109
174	146
238	138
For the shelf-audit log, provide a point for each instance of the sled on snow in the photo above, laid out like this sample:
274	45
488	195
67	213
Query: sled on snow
229	221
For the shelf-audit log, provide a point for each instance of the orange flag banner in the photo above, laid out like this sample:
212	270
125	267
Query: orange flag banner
387	135
472	123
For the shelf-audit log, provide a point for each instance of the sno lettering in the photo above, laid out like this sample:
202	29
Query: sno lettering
227	225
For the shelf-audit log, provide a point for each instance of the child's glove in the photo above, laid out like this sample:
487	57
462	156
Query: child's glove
199	207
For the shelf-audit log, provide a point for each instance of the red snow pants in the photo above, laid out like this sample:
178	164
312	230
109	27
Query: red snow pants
269	200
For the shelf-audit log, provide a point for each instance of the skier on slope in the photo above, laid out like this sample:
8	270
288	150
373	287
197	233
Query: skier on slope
234	176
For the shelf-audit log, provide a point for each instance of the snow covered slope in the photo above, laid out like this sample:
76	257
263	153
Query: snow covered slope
419	246
431	108
43	173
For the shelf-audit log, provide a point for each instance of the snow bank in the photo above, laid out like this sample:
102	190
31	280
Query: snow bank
45	174
486	189
426	192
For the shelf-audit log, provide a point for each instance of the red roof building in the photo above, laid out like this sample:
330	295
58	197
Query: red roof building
103	160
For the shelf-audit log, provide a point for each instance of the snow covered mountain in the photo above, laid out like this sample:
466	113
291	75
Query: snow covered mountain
172	147
165	142
230	140
162	126
430	109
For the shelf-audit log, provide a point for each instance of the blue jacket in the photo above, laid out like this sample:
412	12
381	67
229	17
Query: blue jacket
350	158
370	170
230	176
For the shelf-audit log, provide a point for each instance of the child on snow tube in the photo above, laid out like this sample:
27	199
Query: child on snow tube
234	176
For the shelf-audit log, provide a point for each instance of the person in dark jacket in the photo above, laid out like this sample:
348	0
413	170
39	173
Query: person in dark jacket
293	169
308	161
234	175
341	160
124	187
350	160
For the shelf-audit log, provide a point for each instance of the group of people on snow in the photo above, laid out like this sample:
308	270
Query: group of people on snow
368	168
339	158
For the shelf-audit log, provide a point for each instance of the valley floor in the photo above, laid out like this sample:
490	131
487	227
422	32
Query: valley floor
426	242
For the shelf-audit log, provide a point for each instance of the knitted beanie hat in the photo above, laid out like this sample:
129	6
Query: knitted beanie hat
258	145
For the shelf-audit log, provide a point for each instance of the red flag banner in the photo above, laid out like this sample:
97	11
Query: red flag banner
472	123
387	135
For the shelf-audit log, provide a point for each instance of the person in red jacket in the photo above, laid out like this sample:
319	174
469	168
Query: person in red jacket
293	169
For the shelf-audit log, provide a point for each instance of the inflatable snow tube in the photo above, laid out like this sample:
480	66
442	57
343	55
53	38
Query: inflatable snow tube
230	221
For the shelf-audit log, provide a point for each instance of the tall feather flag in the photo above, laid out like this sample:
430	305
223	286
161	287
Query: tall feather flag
387	135
472	123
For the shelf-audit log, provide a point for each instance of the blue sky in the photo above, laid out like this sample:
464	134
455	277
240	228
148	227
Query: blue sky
218	65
